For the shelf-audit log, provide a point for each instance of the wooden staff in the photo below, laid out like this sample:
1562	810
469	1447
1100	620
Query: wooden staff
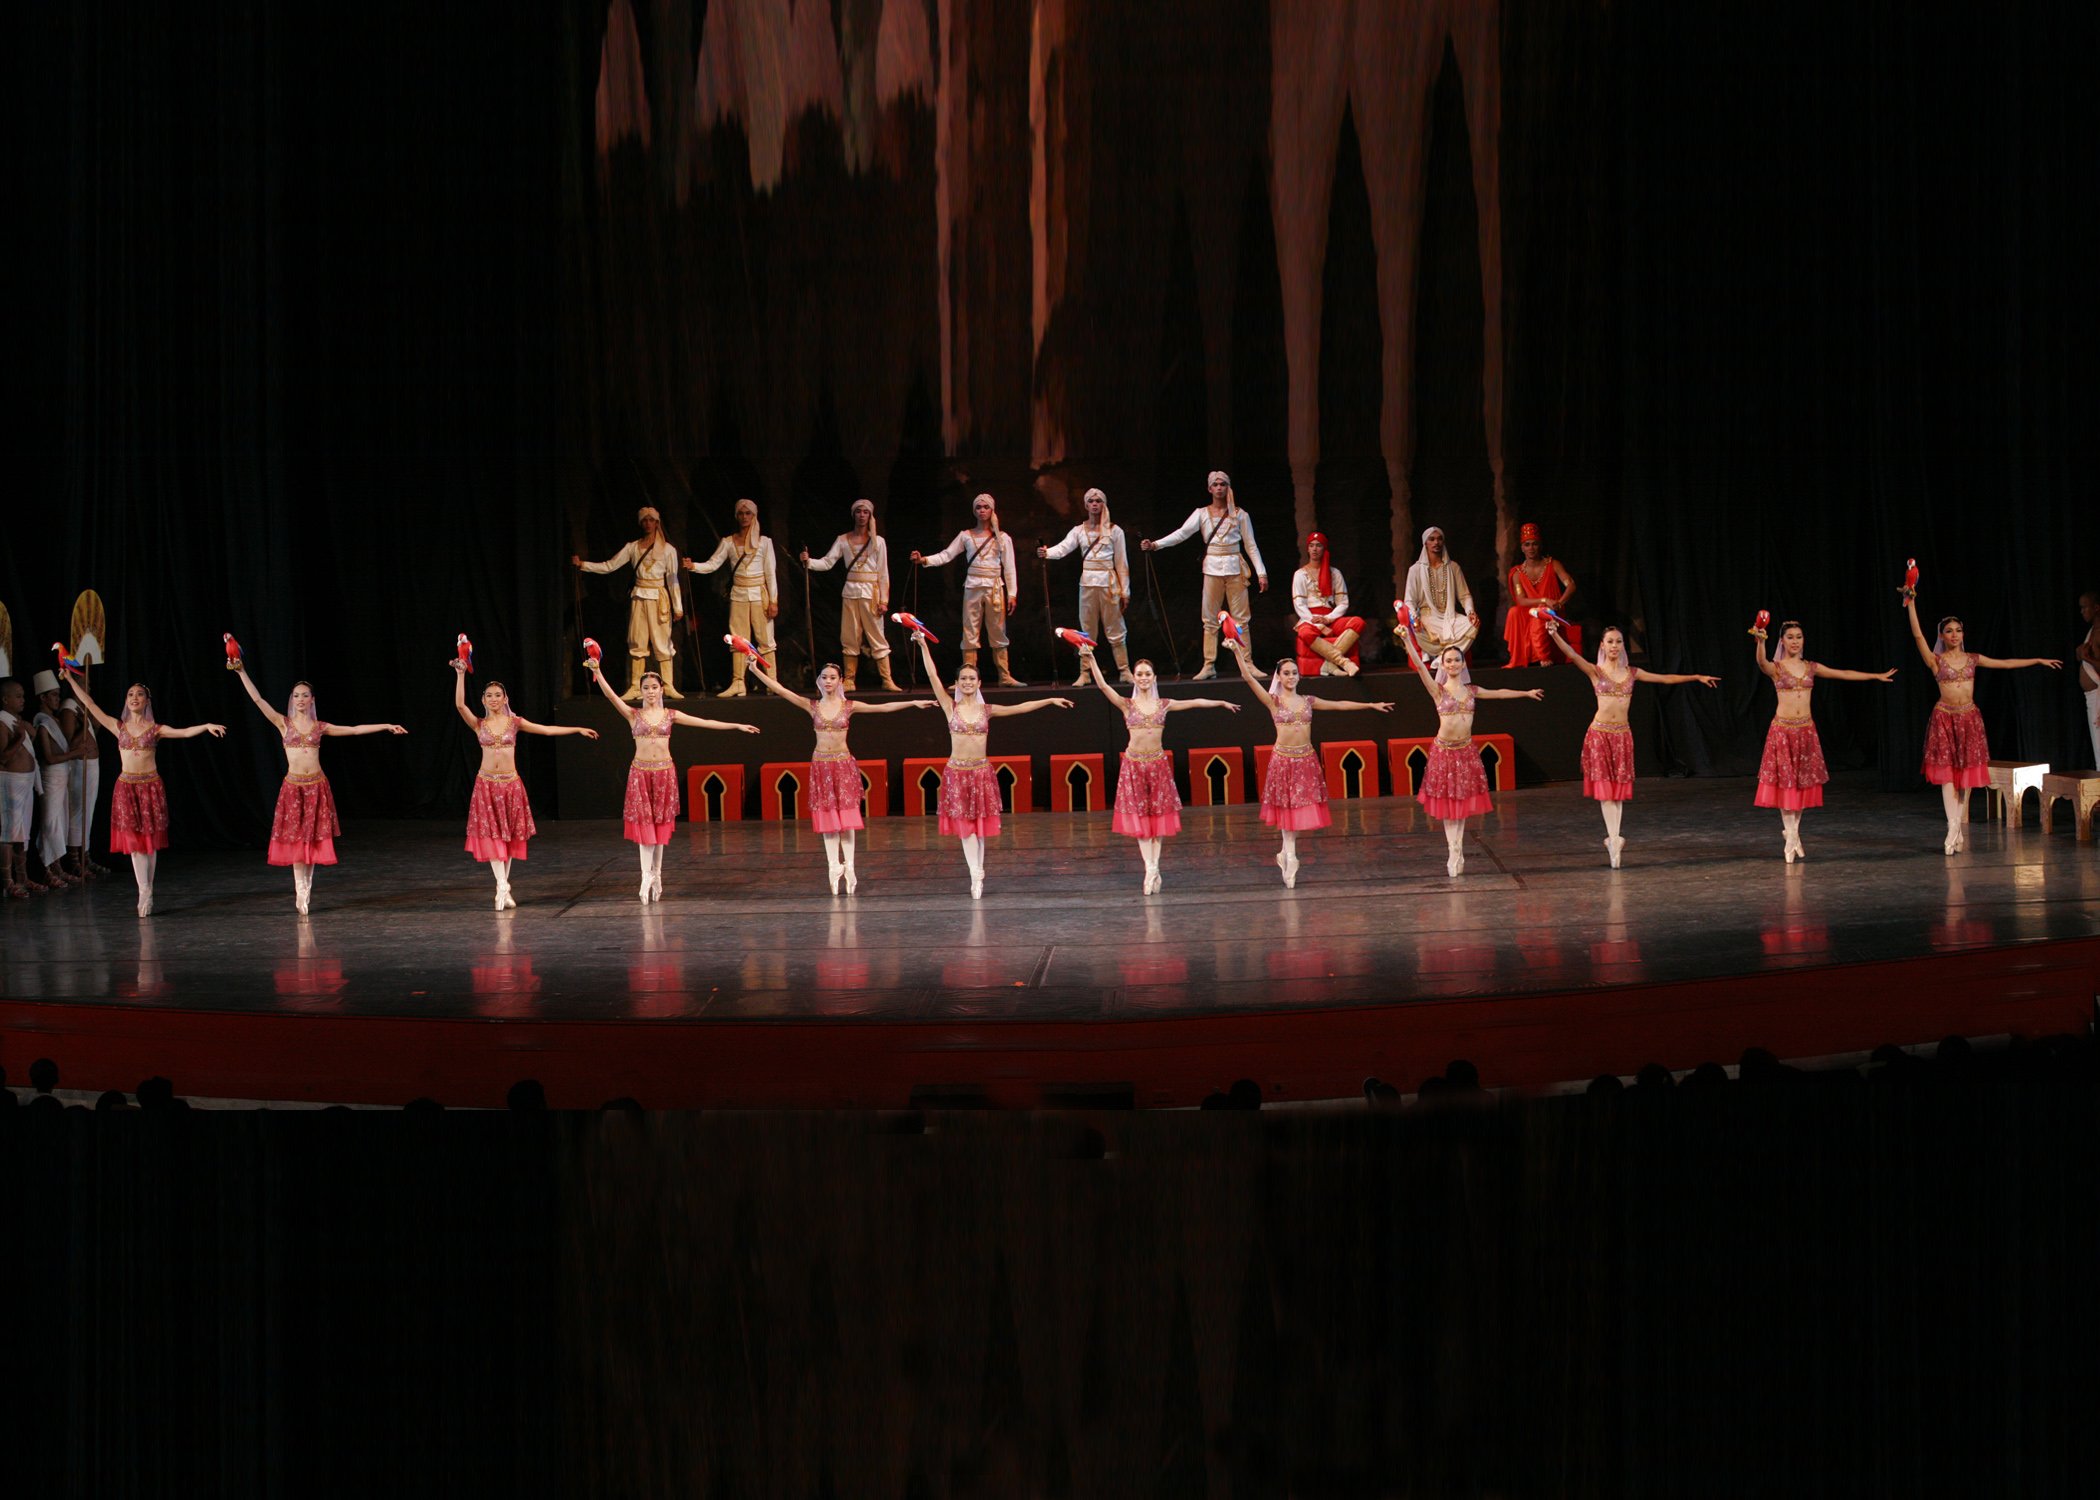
809	628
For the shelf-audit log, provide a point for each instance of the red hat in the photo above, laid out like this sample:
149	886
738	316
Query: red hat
1529	532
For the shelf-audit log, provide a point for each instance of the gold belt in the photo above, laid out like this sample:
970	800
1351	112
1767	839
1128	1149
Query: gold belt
1793	723
138	777
1144	757
967	765
1294	752
1949	708
497	775
831	755
304	778
1602	728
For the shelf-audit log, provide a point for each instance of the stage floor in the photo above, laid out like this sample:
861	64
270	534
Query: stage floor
746	933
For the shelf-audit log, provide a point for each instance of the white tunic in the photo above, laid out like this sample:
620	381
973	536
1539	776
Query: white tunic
1306	597
1103	563
989	566
869	578
753	579
1221	541
655	572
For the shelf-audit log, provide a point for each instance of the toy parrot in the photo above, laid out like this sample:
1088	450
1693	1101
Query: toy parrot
1910	580
466	653
593	653
233	652
911	622
738	643
1230	628
66	663
1078	640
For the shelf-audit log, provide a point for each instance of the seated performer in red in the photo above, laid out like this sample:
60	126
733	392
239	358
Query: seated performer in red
303	830
1294	792
138	807
1607	749
833	794
1957	757
1455	786
1326	629
1791	775
499	818
1538	582
969	790
1148	804
649	811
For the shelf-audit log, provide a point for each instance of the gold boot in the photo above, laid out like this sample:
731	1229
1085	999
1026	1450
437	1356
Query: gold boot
1122	650
634	680
1006	676
1337	664
889	683
848	669
664	666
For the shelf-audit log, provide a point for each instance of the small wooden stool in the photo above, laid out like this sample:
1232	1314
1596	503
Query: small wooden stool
2083	790
2013	779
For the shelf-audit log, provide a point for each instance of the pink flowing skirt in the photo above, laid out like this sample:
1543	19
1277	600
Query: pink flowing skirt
1956	753
1792	773
304	828
1607	763
499	819
650	812
1455	785
1294	793
834	794
138	815
1148	804
969	800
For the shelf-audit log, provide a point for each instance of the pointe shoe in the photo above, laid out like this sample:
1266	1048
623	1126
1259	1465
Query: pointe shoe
656	887
977	887
1951	843
1455	865
852	883
645	890
1614	845
835	872
1290	874
299	903
145	903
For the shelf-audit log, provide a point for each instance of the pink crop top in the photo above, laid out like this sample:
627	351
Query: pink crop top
831	726
1301	715
1966	672
1606	688
311	740
1446	704
958	725
1134	719
509	736
1795	682
126	740
644	731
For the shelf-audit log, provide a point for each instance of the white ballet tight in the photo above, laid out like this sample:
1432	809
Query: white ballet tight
1613	812
143	867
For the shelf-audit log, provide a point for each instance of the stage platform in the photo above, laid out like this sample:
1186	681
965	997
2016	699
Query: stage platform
749	986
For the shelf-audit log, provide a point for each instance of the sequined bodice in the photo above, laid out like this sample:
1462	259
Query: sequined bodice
508	737
1791	682
1447	704
831	726
1302	714
957	724
1606	688
311	740
1948	672
126	740
646	731
1134	718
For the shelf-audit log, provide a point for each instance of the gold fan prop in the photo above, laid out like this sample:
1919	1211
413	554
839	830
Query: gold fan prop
90	628
7	643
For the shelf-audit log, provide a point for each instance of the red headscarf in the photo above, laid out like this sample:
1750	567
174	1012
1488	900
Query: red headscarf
1326	573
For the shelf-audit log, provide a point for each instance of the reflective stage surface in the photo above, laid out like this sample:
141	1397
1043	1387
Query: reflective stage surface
746	932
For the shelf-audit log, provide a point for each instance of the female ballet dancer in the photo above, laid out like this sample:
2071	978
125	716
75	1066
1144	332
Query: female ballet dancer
833	793
1957	758
1148	804
969	790
1607	748
138	805
499	818
1294	792
302	833
1790	777
1455	785
650	809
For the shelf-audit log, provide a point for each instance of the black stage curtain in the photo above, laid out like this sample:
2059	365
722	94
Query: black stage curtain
1794	1284
342	333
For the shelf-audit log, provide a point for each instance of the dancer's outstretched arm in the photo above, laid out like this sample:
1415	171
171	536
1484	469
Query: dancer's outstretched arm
2014	662
1421	667
1243	656
1641	674
1173	704
785	694
1345	705
696	722
1844	676
933	675
335	730
1917	634
551	731
459	694
1536	695
598	676
897	707
276	719
1589	668
1008	710
94	712
1086	659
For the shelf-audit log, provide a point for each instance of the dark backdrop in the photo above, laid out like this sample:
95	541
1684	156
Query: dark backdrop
337	329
